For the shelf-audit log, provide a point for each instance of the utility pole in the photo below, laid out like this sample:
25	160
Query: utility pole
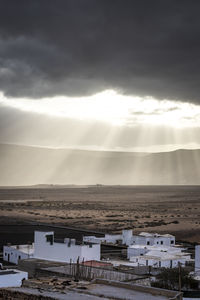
179	276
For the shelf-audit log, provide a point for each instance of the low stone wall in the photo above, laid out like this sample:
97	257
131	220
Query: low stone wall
13	295
172	295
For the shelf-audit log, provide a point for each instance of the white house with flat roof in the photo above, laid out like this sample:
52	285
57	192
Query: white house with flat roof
108	238
150	239
47	248
157	256
12	278
160	260
15	253
128	238
137	250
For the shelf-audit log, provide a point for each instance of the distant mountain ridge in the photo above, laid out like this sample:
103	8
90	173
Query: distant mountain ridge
27	165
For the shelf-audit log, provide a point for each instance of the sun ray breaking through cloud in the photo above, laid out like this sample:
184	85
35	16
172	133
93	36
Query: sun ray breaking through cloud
113	108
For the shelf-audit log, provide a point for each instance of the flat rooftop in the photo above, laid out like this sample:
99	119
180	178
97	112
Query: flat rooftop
165	257
121	293
157	247
95	292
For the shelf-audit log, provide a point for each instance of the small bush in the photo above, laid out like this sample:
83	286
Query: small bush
175	222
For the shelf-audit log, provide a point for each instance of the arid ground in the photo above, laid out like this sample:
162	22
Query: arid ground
166	209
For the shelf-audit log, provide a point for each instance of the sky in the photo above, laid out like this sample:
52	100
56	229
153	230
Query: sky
103	75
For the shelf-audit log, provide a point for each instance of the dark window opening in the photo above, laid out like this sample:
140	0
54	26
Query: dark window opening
172	242
170	263
161	242
49	238
148	243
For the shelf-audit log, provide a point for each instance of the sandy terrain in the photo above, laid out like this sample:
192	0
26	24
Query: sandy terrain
173	209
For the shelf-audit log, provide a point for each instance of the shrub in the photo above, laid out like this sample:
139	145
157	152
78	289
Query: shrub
169	279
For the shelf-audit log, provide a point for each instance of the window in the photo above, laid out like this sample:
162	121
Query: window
172	242
49	238
5	254
161	242
19	257
148	243
159	264
147	262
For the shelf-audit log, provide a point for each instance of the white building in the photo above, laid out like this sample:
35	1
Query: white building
145	238
156	261
108	238
46	247
12	278
66	251
124	238
127	238
197	260
15	253
140	250
157	256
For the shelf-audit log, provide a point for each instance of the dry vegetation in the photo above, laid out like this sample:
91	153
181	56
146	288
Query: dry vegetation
174	209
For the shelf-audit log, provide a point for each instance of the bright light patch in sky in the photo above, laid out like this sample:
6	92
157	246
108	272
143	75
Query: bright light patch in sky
113	108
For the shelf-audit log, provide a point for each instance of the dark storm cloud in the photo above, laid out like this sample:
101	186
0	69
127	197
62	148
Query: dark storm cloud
137	47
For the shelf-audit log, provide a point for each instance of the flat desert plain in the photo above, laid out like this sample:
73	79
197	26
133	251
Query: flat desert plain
162	209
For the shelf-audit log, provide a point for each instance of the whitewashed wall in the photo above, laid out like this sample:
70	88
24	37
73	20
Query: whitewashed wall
91	253
12	280
93	239
197	259
151	240
108	238
127	237
13	255
112	238
169	263
135	252
63	252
